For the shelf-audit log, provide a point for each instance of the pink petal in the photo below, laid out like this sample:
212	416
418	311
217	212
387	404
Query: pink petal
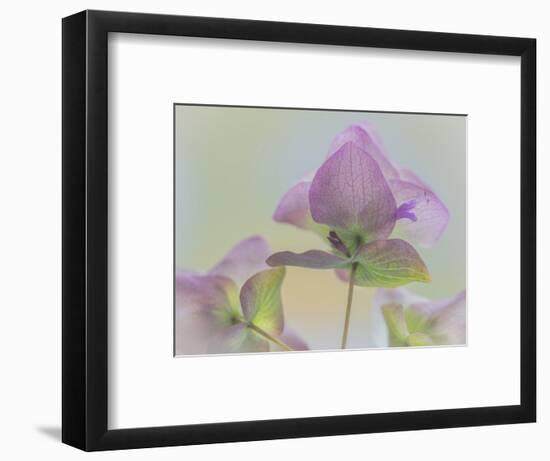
193	330
204	306
292	339
448	317
313	259
431	214
407	175
364	136
294	209
204	292
350	192
246	258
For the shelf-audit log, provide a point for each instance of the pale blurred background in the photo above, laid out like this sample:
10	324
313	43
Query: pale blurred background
234	164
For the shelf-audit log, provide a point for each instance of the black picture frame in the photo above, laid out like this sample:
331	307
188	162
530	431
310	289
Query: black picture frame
85	224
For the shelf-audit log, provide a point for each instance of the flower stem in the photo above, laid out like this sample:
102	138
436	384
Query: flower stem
348	307
267	336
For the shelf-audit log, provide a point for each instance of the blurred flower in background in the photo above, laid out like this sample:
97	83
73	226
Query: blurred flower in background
235	307
400	318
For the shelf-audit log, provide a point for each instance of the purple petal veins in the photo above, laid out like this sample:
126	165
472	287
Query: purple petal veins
294	207
366	137
349	190
404	211
432	214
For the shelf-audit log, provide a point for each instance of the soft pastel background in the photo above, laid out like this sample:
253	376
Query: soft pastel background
234	164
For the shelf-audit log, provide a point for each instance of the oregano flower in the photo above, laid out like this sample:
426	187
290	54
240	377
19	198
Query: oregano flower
421	216
355	201
352	200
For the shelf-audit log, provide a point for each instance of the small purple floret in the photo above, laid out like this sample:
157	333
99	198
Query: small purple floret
404	211
337	243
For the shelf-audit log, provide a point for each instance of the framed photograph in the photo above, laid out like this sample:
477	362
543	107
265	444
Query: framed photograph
279	230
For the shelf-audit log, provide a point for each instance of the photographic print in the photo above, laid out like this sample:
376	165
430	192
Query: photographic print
309	229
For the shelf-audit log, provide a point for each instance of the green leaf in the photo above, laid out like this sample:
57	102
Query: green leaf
389	264
312	259
417	319
261	300
419	339
395	321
